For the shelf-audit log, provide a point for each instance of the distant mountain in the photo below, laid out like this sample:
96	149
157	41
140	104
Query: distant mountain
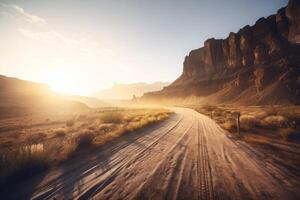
19	97
89	101
126	91
259	64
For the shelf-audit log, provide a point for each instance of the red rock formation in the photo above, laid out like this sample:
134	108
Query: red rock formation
271	45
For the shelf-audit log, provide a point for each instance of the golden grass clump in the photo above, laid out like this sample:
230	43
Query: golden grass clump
249	122
22	157
112	117
229	125
275	121
107	127
70	123
22	162
61	132
36	138
85	139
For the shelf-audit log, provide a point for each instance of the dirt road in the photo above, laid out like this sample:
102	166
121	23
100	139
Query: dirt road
186	157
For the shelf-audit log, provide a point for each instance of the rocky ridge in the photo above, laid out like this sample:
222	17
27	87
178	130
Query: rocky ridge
259	64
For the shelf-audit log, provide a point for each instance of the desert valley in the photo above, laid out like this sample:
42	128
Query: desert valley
227	128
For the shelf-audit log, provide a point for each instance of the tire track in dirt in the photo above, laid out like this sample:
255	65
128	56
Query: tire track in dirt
168	173
113	172
205	191
183	158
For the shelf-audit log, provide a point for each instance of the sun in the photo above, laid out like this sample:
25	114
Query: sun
62	83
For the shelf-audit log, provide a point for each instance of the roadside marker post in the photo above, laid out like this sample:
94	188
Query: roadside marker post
238	114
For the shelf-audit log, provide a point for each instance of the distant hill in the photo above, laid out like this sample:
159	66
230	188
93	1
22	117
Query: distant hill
19	97
259	64
126	91
89	101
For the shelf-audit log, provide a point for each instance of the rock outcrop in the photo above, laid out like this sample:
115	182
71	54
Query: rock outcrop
259	64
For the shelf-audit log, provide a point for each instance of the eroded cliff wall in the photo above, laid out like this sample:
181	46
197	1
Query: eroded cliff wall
262	61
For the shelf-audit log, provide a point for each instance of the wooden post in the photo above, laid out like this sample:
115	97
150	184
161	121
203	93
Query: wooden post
238	123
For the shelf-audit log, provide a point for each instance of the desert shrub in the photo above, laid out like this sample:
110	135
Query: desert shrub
136	118
259	114
132	126
152	119
29	159
289	133
209	107
67	149
21	163
104	128
36	138
275	121
69	123
249	122
217	113
161	117
112	117
60	133
128	118
229	125
144	122
85	139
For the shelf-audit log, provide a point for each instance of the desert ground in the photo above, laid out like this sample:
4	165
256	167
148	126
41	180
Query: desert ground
271	129
187	156
35	143
150	100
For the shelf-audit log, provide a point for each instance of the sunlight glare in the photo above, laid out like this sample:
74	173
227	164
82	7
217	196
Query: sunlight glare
62	83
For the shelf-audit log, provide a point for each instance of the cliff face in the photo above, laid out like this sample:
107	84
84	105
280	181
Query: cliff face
262	61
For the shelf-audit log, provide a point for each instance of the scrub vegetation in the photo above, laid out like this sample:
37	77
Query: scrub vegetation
33	144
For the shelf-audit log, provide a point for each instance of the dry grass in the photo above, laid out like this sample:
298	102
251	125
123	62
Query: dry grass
249	122
229	125
85	139
275	121
70	123
116	124
279	120
112	117
105	128
22	162
60	133
273	130
33	148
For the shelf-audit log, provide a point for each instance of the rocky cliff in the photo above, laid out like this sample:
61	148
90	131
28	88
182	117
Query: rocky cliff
259	64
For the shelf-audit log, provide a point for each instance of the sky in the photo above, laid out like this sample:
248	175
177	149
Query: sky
83	46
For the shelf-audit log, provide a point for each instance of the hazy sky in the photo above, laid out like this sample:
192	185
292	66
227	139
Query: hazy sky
81	46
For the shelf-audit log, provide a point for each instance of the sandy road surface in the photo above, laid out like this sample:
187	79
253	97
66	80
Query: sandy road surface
186	157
